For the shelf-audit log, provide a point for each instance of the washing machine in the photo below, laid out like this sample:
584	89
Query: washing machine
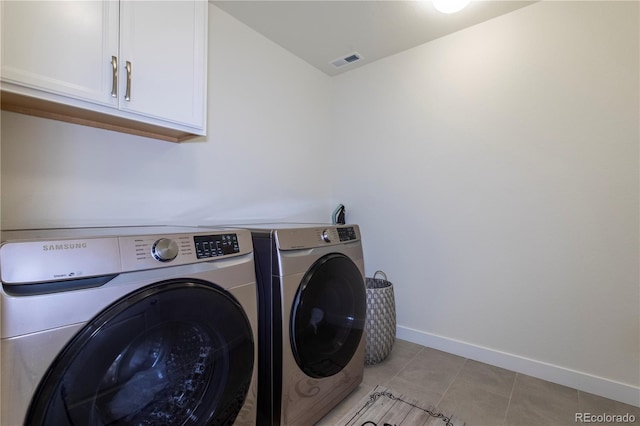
128	326
312	308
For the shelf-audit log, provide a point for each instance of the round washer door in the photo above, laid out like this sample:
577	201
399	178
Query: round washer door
179	352
328	316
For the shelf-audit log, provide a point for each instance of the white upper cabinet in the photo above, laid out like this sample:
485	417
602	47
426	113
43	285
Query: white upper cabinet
164	44
63	47
137	61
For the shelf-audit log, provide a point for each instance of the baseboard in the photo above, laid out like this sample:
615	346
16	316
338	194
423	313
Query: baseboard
575	379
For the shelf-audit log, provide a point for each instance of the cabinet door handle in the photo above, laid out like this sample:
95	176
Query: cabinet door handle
114	83
127	94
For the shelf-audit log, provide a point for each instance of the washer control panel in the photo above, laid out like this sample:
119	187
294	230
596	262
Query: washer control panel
148	250
36	256
216	245
177	249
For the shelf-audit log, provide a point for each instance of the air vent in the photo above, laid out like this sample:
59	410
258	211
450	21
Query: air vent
349	59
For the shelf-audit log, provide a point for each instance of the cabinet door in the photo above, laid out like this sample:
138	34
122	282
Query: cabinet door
61	47
165	44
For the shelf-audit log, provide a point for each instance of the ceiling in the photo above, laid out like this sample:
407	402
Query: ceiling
322	31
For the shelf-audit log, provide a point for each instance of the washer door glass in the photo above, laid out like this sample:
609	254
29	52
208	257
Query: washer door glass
178	352
328	316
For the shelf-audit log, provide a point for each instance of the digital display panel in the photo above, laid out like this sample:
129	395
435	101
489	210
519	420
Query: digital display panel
347	234
216	245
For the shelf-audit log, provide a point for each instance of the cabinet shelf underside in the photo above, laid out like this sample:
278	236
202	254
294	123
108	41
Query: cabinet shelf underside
55	111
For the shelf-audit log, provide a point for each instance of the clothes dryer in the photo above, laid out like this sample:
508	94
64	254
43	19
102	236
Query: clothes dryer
312	308
151	325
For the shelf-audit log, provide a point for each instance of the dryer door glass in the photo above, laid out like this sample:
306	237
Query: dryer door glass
328	316
178	352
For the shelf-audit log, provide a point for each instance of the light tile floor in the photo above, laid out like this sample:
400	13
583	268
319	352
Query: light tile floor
477	393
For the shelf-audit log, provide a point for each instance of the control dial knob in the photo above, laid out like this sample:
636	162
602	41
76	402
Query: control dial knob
325	236
164	250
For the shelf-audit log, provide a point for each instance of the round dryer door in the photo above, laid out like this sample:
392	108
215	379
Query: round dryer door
328	316
179	352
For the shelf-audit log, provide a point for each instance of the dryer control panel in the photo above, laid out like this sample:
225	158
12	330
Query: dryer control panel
347	234
310	237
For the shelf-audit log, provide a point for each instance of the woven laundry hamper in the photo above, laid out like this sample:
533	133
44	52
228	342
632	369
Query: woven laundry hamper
381	318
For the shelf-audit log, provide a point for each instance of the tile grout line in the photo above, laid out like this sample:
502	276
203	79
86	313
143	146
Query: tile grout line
580	409
404	366
434	407
454	379
513	388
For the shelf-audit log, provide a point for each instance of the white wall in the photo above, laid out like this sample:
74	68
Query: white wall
268	128
495	177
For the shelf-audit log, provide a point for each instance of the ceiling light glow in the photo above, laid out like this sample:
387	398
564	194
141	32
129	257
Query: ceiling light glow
450	6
